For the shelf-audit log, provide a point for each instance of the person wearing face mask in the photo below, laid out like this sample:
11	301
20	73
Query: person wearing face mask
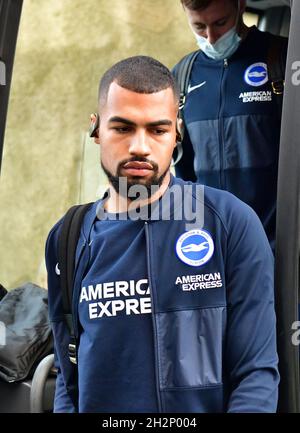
232	109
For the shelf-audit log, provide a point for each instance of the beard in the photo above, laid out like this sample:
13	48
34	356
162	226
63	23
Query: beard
151	184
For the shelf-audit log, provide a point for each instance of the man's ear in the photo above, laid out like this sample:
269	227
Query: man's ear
178	142
178	130
94	127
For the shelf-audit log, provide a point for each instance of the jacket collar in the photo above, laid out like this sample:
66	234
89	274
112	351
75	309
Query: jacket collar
169	206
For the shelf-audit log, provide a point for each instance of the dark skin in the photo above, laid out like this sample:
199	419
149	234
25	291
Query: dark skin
137	126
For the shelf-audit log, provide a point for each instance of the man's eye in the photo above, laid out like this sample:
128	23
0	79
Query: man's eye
121	129
159	131
221	23
200	27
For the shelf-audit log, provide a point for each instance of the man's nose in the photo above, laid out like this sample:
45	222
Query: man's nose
139	144
212	35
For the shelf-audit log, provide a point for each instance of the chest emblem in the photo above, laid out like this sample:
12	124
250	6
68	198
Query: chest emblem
256	75
195	247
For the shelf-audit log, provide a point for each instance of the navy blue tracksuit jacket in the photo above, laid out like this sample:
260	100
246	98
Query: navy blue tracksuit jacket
232	124
212	309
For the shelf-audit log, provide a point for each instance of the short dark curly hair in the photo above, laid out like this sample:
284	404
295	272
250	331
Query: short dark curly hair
141	74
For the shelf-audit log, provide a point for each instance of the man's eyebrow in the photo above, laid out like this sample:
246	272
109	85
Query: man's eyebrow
161	122
225	17
121	120
222	19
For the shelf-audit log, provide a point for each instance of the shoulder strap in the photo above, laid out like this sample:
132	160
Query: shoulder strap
67	244
276	69
182	76
276	63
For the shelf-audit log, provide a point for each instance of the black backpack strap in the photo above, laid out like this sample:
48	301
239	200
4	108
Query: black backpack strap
276	63
67	245
276	59
182	75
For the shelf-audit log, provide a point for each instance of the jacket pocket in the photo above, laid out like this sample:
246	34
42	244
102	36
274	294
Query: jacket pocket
190	345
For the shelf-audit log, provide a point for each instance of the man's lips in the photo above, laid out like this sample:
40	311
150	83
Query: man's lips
137	168
138	165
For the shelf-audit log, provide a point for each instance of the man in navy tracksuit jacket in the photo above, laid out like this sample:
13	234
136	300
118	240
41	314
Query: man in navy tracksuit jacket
173	308
231	114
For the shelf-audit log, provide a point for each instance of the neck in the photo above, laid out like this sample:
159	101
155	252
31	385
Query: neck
116	203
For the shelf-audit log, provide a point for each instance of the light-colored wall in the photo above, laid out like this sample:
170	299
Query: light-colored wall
49	163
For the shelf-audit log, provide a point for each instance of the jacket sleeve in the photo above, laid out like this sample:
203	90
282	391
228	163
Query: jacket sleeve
62	400
65	369
251	357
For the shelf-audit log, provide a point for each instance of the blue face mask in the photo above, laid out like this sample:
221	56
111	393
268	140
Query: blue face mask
225	46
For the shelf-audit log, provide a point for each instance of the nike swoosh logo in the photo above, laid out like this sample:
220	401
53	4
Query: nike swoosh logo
191	88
